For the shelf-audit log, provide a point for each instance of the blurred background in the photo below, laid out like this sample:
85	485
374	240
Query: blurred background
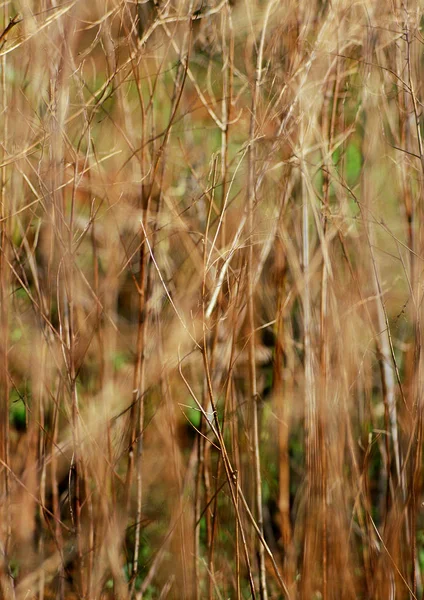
211	286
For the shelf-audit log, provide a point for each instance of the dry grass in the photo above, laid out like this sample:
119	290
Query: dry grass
211	292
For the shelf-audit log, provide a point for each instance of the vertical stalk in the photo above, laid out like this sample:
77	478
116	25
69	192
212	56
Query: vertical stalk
138	397
6	581
72	375
310	399
255	400
328	127
416	278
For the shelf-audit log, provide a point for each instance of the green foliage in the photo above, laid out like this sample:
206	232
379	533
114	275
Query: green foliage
353	158
17	412
120	360
192	412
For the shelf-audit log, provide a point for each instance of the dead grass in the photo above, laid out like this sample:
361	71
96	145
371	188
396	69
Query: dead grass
210	299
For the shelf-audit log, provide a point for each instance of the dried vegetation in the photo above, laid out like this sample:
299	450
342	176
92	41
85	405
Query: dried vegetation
211	285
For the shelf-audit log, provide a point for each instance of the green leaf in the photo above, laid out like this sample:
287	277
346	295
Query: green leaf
18	415
353	164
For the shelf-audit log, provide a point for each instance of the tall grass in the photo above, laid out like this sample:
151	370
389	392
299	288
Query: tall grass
211	288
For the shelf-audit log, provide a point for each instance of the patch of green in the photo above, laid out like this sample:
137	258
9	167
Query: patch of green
211	134
17	412
350	159
105	104
353	206
20	293
296	457
268	371
109	584
318	181
151	593
128	575
16	334
194	416
353	161
266	493
202	530
420	542
14	568
120	360
144	556
421	559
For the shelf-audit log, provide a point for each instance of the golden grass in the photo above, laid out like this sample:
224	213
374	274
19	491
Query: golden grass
210	299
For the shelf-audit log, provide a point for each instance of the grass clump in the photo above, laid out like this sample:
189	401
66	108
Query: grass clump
211	300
